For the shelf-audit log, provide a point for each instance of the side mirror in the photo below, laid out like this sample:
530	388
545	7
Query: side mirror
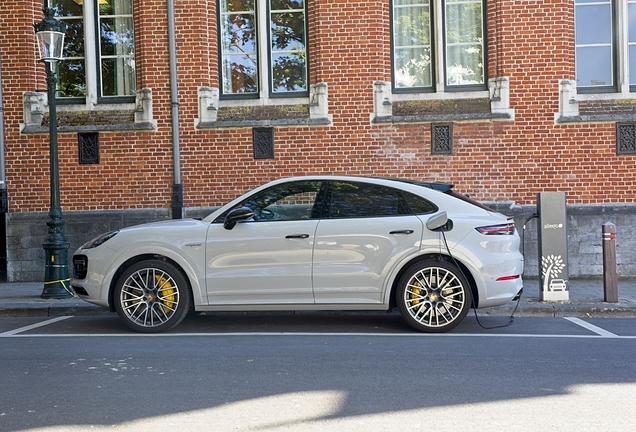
235	216
439	222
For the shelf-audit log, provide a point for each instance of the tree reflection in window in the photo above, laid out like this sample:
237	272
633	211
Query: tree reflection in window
115	62
287	47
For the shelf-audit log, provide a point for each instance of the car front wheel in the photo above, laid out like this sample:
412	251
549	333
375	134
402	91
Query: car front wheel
152	296
433	296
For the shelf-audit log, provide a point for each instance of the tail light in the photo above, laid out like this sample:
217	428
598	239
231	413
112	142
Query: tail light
505	229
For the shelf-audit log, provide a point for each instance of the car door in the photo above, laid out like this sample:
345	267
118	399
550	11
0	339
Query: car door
265	260
364	231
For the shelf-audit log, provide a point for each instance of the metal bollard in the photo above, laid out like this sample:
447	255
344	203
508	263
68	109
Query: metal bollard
610	279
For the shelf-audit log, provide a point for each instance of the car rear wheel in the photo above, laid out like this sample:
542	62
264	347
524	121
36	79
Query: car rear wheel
433	296
152	296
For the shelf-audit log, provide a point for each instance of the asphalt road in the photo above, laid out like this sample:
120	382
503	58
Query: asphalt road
317	372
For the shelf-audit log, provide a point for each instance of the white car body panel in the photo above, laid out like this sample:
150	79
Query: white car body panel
354	257
255	263
180	241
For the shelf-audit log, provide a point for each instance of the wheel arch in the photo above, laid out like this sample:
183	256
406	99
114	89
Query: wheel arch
435	256
139	258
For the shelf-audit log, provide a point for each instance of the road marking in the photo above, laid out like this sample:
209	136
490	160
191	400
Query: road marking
278	334
591	327
33	326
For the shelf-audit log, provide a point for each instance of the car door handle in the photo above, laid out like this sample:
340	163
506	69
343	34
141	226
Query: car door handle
402	232
297	236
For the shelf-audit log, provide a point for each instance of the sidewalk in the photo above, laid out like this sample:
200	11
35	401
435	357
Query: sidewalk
586	300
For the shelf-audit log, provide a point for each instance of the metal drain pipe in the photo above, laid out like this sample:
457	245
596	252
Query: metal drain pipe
177	187
4	200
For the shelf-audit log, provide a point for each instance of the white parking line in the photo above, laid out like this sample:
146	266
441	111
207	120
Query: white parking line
591	327
318	334
33	326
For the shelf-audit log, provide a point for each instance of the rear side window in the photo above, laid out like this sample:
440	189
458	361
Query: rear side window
418	204
363	200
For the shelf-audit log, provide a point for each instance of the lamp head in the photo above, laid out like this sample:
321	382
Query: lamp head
50	36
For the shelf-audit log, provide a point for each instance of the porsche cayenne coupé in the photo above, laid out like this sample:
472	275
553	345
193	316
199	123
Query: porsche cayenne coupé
311	243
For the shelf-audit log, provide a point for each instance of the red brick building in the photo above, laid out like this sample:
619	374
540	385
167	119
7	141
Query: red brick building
505	99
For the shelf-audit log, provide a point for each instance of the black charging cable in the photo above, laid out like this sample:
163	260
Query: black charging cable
512	315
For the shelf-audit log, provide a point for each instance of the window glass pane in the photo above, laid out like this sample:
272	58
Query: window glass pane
287	4
631	26
593	36
464	65
593	66
237	5
118	76
117	48
288	201
412	44
288	46
239	73
464	42
413	67
71	71
593	24
419	205
359	200
72	82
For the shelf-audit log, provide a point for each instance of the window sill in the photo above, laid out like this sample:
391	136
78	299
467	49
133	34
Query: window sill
600	118
265	112
141	127
404	97
264	123
491	105
444	118
89	117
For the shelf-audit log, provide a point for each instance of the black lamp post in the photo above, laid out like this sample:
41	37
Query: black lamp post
50	36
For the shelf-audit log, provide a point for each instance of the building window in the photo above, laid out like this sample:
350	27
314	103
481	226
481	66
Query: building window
605	34
438	45
263	48
99	50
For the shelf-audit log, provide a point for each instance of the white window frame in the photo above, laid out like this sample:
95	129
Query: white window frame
439	72
92	74
621	62
263	54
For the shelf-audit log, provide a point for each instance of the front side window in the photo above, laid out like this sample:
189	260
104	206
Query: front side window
273	61
99	48
454	36
285	202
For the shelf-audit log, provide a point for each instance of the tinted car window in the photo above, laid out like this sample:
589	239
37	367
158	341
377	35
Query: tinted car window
357	200
418	204
287	201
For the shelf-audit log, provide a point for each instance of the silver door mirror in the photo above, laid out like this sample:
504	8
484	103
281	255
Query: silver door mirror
434	223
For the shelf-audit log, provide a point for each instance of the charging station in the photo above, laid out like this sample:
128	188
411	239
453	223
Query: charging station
553	246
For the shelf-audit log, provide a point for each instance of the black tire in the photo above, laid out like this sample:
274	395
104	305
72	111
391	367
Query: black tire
152	296
433	296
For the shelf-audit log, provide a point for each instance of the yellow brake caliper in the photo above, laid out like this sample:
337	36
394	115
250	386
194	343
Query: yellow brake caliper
168	293
415	293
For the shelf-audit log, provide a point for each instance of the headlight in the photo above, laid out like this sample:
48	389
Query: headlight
99	240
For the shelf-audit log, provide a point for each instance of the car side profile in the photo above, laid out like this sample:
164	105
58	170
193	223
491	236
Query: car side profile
311	243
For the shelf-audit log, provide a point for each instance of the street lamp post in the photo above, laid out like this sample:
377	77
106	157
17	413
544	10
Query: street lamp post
50	36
